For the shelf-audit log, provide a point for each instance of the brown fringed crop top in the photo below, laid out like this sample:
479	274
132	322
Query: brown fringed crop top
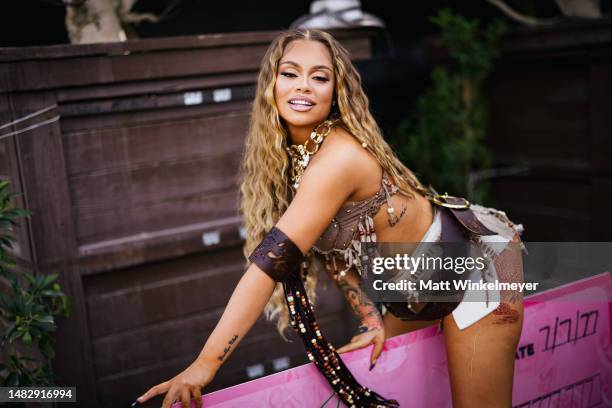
352	225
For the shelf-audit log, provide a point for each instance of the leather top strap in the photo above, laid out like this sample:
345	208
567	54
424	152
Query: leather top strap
460	208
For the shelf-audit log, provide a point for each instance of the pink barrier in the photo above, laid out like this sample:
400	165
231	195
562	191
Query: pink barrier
564	359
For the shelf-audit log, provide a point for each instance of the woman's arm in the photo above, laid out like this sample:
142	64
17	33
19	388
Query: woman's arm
364	308
242	311
328	182
247	302
371	330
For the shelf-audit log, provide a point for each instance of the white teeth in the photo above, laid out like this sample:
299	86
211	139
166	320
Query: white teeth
300	102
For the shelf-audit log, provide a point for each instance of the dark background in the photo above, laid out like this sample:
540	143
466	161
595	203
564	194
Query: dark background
41	22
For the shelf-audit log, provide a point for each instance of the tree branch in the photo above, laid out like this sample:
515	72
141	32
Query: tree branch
522	18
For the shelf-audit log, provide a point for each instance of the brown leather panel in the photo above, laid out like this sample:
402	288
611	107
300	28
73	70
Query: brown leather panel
277	255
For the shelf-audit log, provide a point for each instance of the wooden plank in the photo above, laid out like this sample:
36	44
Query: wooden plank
142	295
98	226
573	36
539	107
14	54
136	103
601	225
143	184
158	245
136	45
9	170
40	154
127	119
45	185
99	149
567	136
163	85
541	117
37	75
549	190
601	142
527	83
600	89
551	214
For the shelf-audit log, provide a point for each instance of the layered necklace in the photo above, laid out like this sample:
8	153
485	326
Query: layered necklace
300	154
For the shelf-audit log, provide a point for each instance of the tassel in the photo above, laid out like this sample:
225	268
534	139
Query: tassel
323	354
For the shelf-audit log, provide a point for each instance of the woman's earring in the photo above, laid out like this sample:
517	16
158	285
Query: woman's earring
333	103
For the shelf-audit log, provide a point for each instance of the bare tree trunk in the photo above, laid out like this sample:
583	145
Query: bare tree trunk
94	21
570	8
522	18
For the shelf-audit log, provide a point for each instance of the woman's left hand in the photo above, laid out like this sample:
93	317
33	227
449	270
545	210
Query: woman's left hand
366	336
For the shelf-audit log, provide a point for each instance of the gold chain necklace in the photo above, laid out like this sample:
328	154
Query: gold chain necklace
300	154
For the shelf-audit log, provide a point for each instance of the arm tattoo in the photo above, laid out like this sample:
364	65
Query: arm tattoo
363	307
227	349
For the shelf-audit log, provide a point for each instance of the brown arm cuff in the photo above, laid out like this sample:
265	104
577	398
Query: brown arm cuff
277	255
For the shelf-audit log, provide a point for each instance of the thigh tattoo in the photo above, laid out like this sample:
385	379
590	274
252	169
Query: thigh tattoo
509	267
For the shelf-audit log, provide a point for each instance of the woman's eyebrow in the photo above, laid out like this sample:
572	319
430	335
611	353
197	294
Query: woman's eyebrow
316	67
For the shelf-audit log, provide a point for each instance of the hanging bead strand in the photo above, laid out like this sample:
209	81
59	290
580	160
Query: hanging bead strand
323	354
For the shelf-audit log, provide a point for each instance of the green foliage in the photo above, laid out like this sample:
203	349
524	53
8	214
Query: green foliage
442	141
27	310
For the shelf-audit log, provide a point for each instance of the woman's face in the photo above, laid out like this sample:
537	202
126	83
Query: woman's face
305	84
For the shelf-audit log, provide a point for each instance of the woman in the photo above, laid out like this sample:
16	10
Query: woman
293	184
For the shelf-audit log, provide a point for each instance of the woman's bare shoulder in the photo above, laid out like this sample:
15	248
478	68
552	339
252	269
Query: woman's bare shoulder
342	145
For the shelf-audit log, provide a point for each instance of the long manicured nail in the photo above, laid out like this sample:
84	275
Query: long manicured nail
372	365
135	404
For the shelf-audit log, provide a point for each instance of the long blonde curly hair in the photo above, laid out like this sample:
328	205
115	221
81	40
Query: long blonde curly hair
264	188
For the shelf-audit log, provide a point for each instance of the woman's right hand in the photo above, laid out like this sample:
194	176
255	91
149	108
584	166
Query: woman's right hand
366	335
183	386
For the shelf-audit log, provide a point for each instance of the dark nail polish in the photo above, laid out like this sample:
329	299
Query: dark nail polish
135	404
372	365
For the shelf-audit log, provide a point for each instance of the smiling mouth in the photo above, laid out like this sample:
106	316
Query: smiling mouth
300	102
300	105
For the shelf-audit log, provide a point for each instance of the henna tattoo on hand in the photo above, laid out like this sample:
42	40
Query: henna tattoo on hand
228	348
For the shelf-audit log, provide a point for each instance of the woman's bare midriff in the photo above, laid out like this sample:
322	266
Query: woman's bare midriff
412	226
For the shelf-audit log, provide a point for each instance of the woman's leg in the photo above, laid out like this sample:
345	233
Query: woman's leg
481	357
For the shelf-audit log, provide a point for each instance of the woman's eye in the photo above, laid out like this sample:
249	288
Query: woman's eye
321	79
288	74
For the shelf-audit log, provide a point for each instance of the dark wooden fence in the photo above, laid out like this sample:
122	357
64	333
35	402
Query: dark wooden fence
551	111
130	171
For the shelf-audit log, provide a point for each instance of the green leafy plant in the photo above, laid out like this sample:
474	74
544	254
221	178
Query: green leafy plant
28	307
442	141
